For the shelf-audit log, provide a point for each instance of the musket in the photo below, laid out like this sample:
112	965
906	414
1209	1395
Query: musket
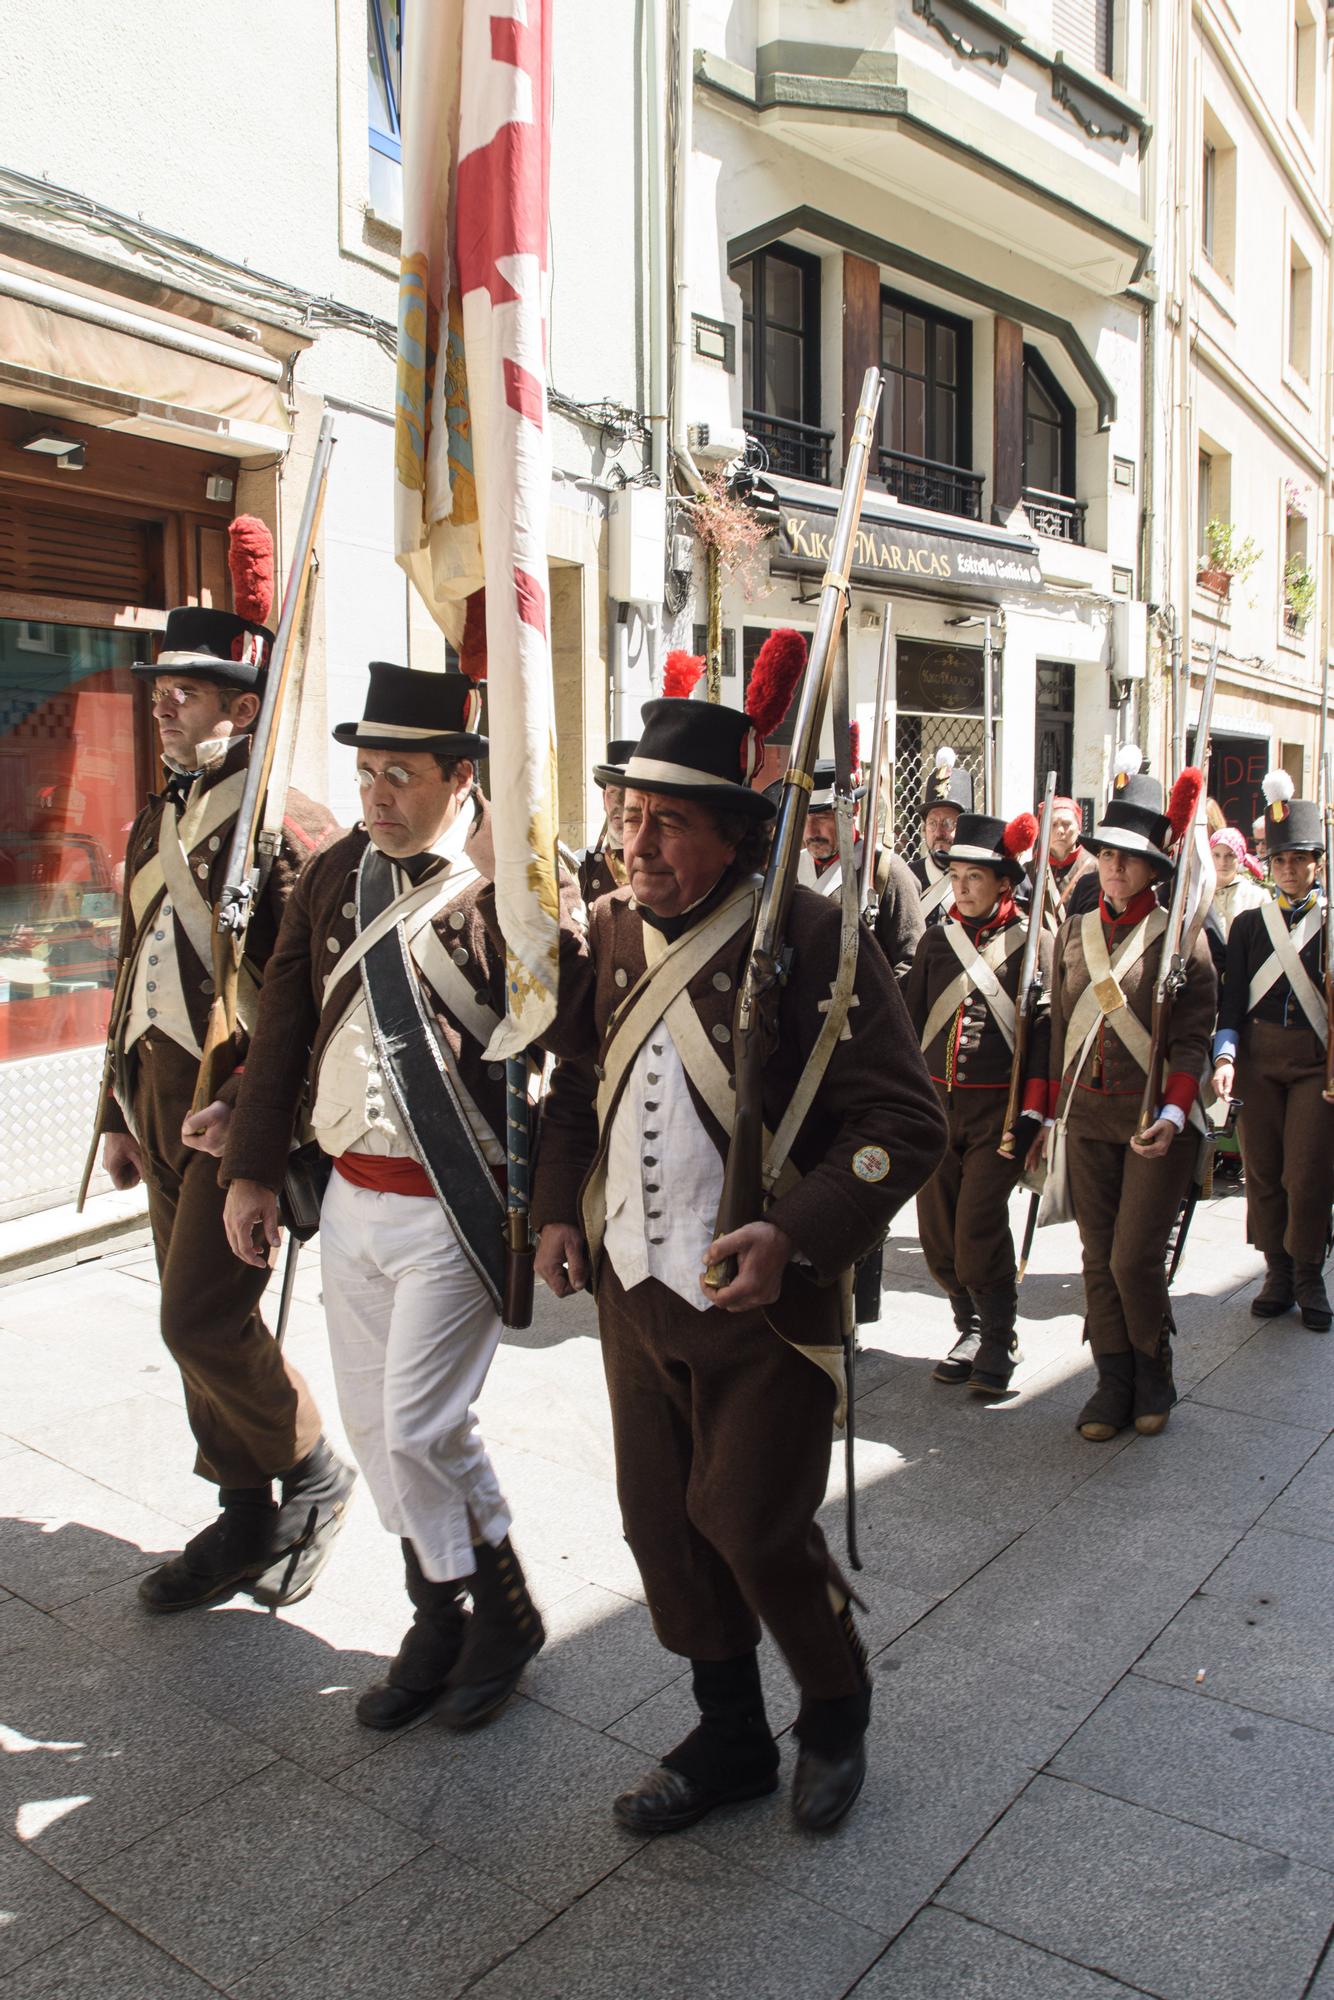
1172	963
1030	978
768	954
259	820
867	894
517	1304
1328	1092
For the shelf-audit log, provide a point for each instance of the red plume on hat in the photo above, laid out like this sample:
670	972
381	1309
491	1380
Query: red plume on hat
680	673
1019	835
855	748
1185	797
472	655
250	560
778	668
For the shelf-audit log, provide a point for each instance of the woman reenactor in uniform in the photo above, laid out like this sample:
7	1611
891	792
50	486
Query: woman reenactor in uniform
1270	1051
961	995
1126	1189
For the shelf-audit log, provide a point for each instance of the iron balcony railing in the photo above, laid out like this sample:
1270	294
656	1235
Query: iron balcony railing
925	482
801	451
1055	515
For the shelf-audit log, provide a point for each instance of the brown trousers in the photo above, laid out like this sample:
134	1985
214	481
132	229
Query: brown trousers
723	1434
963	1212
1287	1140
1125	1207
251	1413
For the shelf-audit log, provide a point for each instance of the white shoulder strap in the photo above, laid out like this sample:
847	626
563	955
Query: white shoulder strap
1285	960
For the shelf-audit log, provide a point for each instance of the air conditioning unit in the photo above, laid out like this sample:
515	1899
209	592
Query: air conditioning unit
636	534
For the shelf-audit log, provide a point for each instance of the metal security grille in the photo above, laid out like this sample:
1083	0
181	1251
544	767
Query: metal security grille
916	740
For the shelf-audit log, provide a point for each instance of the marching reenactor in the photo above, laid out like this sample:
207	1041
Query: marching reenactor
961	995
253	1418
1238	878
899	922
387	984
1073	872
721	1403
601	868
1126	1186
949	792
1270	1053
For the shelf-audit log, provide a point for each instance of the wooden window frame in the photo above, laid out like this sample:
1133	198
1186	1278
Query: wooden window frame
963	332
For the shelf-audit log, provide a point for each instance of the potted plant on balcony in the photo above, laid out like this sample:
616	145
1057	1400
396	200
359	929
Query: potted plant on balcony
1227	554
1298	593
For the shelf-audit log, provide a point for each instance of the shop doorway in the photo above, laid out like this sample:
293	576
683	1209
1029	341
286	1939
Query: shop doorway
941	699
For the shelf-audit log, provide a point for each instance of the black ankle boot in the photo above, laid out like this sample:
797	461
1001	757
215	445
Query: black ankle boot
998	1352
1111	1406
314	1501
831	1762
419	1670
231	1551
1277	1294
503	1634
729	1756
1308	1283
1155	1389
958	1363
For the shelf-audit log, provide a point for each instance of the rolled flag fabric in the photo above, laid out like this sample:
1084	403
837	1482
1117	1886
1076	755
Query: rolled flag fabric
472	456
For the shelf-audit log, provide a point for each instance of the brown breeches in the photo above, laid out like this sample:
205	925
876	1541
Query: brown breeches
1287	1140
1125	1207
723	1434
251	1413
963	1212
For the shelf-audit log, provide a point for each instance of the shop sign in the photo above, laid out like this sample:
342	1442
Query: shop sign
889	553
939	680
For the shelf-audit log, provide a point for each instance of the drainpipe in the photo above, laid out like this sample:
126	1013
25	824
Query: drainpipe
657	330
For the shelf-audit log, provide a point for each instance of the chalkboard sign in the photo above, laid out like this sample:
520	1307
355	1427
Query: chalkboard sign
940	680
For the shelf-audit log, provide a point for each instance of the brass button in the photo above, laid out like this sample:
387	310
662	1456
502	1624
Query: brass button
349	909
722	982
202	871
721	1032
214	844
334	945
621	976
456	920
460	954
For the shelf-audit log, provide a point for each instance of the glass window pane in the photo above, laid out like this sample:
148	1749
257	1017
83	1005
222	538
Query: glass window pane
1042	456
914	418
379	88
915	343
1037	401
946	346
782	375
748	363
782	292
944	442
891	337
891	413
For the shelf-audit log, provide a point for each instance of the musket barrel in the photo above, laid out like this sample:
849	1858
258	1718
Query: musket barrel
871	812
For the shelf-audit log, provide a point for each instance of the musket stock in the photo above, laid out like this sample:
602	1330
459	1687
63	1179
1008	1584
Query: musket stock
1030	976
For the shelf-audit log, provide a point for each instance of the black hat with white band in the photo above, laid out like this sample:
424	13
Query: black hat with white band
410	709
619	750
822	787
695	750
994	843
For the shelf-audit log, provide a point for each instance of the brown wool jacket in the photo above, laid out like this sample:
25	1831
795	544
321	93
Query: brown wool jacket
970	1053
875	1092
1107	1097
307	829
294	1025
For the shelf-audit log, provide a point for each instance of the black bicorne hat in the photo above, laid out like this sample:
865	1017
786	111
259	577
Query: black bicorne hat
695	750
1133	820
981	839
408	708
619	751
947	784
824	777
207	645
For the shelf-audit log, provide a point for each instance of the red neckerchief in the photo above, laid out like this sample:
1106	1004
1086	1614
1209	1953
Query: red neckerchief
1004	913
1135	910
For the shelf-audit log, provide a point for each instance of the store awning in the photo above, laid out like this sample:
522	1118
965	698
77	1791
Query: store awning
901	549
71	350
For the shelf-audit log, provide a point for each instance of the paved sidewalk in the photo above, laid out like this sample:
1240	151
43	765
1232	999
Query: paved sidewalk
1102	1752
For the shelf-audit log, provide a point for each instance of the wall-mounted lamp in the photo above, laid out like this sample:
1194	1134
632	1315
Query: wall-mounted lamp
70	454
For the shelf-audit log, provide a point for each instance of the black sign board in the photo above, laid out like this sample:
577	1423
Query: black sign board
894	554
939	680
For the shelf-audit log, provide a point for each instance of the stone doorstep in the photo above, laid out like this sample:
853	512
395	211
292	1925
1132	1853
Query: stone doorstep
53	1239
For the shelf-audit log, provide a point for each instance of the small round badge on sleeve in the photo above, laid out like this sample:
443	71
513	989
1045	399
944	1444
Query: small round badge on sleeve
870	1163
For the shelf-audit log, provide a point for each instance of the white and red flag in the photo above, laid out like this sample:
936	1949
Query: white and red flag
472	457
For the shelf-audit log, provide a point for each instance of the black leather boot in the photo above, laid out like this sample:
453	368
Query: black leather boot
958	1363
831	1762
503	1634
1112	1404
314	1500
1277	1294
420	1668
1155	1390
1309	1286
998	1352
729	1756
229	1552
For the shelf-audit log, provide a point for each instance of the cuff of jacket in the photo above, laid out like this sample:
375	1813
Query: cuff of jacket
1225	1045
1182	1090
113	1118
828	1250
1036	1092
256	1163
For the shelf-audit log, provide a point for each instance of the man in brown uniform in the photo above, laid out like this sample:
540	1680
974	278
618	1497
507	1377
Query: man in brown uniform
1126	1191
961	995
721	1403
253	1417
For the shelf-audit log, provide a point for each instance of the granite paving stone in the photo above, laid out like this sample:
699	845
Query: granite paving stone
424	1933
38	1396
49	1551
1282	1372
141	1446
675	1920
38	1907
221	1888
944	1957
1228	1769
1306	1505
1224	1467
104	1961
602	1657
1322	1986
1185	1914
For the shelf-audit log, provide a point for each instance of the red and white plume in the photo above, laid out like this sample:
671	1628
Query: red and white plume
1184	800
250	560
680	673
855	749
778	668
1128	760
1278	788
1019	835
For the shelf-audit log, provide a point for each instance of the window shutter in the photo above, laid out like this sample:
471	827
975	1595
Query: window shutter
63	552
1083	30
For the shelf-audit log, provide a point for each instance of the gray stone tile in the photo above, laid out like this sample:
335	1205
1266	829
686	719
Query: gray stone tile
108	1754
1322	1986
1306	1507
567	1519
141	1447
1228	1769
1215	1465
105	1961
1185	1914
105	1317
675	1920
944	1957
38	1392
528	1799
62	1535
219	1888
37	1907
1282	1372
551	1401
424	1933
601	1660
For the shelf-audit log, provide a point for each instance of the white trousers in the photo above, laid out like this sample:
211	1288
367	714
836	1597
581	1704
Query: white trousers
412	1330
